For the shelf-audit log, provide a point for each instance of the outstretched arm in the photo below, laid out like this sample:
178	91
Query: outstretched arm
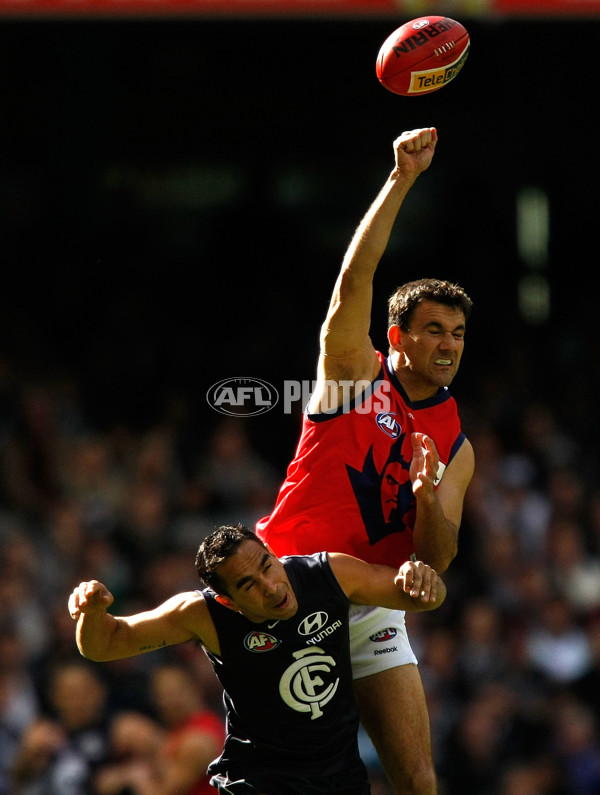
415	586
102	636
346	349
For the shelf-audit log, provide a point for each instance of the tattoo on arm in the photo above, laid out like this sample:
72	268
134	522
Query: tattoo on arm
150	647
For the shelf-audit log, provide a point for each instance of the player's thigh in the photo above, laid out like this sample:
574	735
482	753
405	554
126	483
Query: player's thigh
393	710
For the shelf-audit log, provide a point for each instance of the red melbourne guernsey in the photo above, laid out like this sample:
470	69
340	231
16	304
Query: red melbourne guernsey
348	487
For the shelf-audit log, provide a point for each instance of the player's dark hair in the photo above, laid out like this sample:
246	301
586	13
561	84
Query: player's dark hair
403	302
216	548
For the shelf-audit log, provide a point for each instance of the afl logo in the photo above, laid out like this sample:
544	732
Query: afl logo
313	623
388	424
242	397
420	23
383	635
260	641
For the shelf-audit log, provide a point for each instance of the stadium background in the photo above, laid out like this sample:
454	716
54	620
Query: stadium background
176	195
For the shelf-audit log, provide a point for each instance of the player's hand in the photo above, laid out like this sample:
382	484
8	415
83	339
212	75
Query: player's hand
424	464
89	597
414	150
418	580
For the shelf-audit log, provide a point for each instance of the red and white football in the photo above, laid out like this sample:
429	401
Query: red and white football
422	56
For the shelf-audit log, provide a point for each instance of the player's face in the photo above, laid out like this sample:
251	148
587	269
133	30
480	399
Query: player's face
432	348
257	584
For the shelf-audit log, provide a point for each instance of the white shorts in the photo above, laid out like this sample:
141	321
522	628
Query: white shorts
378	640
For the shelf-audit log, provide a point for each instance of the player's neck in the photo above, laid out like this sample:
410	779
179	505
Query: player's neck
416	387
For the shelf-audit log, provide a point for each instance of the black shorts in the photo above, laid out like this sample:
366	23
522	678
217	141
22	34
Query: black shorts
347	782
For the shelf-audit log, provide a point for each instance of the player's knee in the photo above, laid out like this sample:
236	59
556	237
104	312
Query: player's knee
421	780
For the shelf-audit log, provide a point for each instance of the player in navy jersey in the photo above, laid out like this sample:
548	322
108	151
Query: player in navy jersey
382	465
276	632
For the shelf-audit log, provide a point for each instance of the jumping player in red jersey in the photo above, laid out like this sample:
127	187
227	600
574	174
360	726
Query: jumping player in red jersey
382	466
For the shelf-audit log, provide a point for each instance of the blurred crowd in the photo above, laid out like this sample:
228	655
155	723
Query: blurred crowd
510	663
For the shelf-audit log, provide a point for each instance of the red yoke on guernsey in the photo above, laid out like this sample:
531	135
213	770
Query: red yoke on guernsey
348	487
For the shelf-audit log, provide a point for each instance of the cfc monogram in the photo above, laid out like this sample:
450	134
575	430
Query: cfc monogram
304	687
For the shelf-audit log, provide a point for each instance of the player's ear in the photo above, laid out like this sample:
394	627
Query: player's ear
227	602
395	336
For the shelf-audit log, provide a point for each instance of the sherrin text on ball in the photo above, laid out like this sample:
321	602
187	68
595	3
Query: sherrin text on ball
422	55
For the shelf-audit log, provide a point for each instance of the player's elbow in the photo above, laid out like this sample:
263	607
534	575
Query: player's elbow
440	560
446	552
93	654
90	655
445	560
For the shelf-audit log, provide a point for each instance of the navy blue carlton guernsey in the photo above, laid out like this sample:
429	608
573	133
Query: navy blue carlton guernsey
288	684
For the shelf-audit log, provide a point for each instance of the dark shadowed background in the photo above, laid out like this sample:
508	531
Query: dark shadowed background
176	197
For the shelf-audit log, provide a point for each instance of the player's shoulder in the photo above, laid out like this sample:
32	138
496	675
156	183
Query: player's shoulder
309	561
466	448
347	570
191	611
463	461
187	602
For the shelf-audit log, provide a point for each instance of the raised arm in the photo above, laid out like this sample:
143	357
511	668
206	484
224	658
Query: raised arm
100	636
346	349
414	587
